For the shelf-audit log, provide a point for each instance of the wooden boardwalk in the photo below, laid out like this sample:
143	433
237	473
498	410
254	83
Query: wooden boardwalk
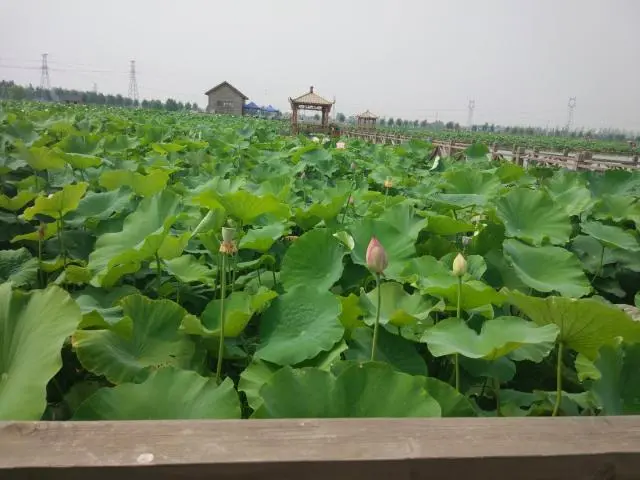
519	155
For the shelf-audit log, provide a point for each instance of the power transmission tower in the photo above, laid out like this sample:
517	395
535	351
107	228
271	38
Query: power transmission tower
45	81
133	83
95	87
472	107
570	108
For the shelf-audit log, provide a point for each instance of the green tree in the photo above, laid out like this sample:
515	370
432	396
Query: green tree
341	117
390	122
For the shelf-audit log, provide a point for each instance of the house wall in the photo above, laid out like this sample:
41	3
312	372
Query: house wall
225	100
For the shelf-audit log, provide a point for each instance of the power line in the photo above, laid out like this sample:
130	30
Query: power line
133	83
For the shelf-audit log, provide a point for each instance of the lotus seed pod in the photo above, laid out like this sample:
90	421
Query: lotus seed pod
377	260
466	240
459	265
388	183
228	234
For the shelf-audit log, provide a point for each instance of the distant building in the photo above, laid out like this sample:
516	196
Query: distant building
71	98
225	98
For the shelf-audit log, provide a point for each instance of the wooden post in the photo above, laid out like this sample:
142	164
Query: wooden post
536	152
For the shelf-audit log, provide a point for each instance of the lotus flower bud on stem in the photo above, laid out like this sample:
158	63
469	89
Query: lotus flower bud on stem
42	230
459	265
353	165
388	183
377	260
228	245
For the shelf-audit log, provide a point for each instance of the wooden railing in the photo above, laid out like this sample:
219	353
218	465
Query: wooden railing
579	161
356	449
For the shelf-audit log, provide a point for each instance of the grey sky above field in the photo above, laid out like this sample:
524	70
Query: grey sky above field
520	60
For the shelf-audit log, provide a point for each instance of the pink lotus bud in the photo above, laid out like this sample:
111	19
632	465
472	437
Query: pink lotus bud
377	260
340	145
459	266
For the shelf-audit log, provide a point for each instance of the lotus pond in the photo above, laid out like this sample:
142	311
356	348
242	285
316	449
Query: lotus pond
163	266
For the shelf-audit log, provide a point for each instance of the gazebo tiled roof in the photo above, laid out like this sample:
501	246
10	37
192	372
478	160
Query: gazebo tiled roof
311	98
367	115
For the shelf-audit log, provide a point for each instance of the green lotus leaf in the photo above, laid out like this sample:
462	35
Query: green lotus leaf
299	325
533	217
321	269
360	390
142	235
16	203
352	312
173	245
41	158
611	236
20	130
618	208
570	193
58	204
262	239
397	307
80	161
452	403
458	200
84	144
548	268
187	269
18	267
164	148
616	388
392	349
155	342
471	182
328	359
497	338
444	225
586	369
96	207
176	394
585	324
239	307
101	308
613	182
323	210
120	143
143	185
253	378
245	206
476	265
33	329
591	253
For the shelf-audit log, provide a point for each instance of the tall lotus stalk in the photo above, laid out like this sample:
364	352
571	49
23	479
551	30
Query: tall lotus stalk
227	248
41	236
459	269
556	406
377	262
388	183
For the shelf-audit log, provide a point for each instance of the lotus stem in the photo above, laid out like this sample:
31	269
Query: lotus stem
158	273
223	287
273	271
599	270
61	241
556	407
377	324
459	309
496	392
456	357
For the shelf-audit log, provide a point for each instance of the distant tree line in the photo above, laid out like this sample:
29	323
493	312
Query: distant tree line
9	90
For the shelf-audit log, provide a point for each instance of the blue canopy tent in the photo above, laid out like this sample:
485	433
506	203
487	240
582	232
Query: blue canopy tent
251	108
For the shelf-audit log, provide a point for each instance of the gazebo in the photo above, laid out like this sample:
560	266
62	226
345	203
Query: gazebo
366	120
310	101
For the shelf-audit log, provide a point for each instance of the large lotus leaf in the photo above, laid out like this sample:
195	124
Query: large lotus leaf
120	143
445	225
613	182
359	390
618	208
262	239
57	204
155	342
172	246
585	324
476	265
392	349
611	236
33	329
548	268
20	129
253	378
187	269
352	312
314	259
243	205
49	230
18	267
397	307
533	217
321	159
452	403
570	193
100	308
41	158
299	325
497	338
80	161
95	207
142	235
318	211
590	252
85	144
143	185
458	200
16	203
167	147
471	182
176	394
239	307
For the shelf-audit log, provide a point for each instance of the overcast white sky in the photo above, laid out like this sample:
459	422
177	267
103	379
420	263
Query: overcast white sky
520	60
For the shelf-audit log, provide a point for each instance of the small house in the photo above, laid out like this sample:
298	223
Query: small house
225	98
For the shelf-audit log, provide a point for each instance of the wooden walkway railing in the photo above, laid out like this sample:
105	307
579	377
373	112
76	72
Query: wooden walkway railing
595	448
579	161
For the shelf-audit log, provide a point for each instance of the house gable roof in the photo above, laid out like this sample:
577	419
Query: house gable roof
226	84
310	98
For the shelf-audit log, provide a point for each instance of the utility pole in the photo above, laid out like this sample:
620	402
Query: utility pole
45	81
95	87
133	83
472	107
570	108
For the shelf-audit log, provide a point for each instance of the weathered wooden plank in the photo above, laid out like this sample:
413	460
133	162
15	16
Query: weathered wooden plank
532	448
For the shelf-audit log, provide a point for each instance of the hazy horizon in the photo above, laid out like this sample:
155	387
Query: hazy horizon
520	61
